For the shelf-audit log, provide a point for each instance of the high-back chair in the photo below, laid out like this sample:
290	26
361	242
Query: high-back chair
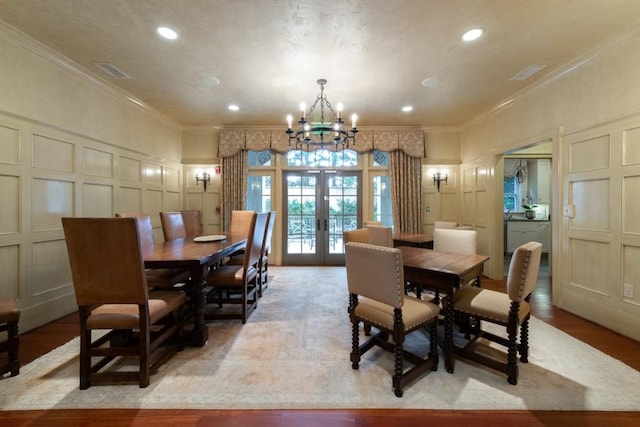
241	222
380	235
172	225
157	278
445	224
510	310
111	292
360	235
263	263
9	318
192	220
238	284
375	278
453	240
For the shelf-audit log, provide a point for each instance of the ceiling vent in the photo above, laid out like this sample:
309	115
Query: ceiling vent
528	72
111	70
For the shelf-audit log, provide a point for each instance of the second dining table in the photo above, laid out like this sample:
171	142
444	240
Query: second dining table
197	257
444	271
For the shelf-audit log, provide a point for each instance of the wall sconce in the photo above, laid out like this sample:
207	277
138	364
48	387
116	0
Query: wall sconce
206	179
437	179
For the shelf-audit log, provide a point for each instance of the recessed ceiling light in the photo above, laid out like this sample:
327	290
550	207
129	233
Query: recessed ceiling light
472	34
407	108
233	107
167	33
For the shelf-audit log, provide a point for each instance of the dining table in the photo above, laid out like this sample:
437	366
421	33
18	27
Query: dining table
419	240
197	255
444	271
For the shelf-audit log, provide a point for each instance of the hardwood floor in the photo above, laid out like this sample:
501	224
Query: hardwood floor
40	341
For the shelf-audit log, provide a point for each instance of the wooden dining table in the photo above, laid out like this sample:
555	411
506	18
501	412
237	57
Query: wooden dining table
418	240
197	257
444	271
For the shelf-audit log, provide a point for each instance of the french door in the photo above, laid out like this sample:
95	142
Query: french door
319	205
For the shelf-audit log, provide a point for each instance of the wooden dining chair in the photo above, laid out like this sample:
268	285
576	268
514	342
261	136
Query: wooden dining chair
263	263
509	310
192	220
172	225
157	278
238	284
111	292
241	221
9	318
375	279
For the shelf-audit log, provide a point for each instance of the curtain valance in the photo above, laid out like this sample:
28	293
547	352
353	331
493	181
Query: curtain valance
410	142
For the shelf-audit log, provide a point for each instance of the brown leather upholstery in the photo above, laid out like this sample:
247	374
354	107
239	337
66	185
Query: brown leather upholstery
111	291
172	225
192	220
160	278
510	309
240	223
375	277
263	263
9	318
238	284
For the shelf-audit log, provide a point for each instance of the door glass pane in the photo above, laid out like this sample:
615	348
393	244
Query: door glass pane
343	209
382	200
259	193
301	214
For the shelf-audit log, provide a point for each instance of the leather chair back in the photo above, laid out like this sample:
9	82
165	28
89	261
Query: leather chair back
192	220
172	225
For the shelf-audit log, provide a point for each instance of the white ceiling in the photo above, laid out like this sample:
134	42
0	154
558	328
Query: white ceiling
268	54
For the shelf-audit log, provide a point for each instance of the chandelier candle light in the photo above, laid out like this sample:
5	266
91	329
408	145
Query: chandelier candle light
322	133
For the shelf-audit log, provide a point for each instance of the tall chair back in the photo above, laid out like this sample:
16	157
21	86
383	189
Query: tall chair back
172	225
192	220
145	228
380	235
453	240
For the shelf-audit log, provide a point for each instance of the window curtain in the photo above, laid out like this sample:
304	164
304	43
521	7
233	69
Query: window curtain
235	170
406	191
514	168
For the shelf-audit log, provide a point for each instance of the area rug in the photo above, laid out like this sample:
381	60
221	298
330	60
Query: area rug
293	353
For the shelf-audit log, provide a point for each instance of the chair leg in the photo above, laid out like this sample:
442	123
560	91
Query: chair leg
512	354
355	344
433	344
524	341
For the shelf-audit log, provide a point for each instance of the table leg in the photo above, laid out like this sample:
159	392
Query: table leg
200	333
449	351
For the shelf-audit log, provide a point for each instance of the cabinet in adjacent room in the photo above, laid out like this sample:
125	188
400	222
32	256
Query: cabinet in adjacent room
521	232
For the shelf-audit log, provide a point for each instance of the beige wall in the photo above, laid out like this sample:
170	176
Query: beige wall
69	146
591	116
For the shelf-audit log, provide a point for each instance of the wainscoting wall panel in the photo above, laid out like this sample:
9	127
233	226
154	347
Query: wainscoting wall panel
46	174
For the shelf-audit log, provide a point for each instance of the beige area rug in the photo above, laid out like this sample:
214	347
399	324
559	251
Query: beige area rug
294	354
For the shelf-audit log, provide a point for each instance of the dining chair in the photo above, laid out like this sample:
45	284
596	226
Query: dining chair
9	318
452	240
111	292
157	278
509	310
360	235
192	220
375	279
365	223
172	225
241	221
263	263
380	235
445	224
238	284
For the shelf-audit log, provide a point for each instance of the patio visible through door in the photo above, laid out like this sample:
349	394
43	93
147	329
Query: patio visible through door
320	204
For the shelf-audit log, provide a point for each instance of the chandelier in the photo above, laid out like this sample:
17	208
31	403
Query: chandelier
322	133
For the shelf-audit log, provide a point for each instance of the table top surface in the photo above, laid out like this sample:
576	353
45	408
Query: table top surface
440	262
185	250
413	237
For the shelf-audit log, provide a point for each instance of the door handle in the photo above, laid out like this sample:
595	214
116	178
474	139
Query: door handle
325	224
318	225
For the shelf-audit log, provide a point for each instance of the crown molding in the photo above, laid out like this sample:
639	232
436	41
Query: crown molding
560	72
38	48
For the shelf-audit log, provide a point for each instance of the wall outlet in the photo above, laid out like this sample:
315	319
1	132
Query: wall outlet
627	290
